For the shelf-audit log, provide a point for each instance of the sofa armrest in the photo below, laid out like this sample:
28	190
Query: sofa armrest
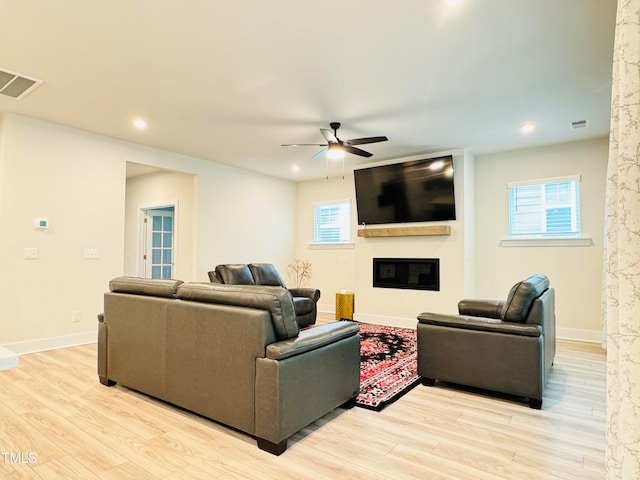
481	308
312	293
479	324
311	339
213	277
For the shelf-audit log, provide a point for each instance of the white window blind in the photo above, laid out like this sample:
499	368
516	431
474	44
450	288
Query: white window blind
547	208
332	222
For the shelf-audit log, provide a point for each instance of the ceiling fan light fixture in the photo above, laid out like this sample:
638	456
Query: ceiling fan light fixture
336	148
335	152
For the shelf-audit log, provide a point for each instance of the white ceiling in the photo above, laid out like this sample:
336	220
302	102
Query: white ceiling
231	81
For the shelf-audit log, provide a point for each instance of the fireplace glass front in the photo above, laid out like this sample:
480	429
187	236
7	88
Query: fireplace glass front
409	273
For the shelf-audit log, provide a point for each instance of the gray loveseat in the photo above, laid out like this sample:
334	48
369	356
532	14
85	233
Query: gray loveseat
232	353
505	346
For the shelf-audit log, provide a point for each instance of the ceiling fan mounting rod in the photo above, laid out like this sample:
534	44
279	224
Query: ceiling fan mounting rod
335	126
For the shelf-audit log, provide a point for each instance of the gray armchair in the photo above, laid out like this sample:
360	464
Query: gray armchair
304	299
504	346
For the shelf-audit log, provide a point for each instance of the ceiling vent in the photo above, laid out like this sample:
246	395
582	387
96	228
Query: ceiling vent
16	85
578	124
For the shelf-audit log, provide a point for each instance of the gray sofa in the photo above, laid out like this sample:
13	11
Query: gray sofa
232	353
304	299
505	346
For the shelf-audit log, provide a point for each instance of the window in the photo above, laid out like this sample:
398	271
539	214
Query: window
547	208
332	222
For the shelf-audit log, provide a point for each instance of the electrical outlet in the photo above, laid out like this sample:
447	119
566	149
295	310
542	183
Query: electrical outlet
31	252
75	316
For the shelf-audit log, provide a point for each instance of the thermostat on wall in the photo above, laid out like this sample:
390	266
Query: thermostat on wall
41	223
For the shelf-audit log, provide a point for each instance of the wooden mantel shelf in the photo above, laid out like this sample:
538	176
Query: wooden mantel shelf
404	231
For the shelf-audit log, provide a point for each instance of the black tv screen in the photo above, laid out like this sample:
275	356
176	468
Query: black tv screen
415	191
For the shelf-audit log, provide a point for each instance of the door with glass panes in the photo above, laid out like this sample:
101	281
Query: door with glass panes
159	240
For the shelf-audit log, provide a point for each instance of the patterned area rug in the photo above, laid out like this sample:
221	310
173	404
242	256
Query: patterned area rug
388	364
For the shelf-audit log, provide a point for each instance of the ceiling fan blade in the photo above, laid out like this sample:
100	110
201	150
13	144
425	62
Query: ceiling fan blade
362	141
303	145
328	134
320	154
356	151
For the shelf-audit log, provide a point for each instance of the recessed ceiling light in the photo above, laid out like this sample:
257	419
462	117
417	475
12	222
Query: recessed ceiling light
527	127
452	3
295	168
140	124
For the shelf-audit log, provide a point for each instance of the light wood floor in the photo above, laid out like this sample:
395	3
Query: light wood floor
57	421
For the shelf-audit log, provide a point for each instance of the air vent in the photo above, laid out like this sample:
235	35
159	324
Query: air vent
16	85
578	124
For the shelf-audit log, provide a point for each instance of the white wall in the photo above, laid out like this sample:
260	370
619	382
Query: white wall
574	271
73	181
473	264
145	190
244	217
351	269
77	180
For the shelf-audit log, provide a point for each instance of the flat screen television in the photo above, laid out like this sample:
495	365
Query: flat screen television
414	191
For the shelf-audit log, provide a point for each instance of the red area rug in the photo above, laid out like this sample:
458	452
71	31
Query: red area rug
388	364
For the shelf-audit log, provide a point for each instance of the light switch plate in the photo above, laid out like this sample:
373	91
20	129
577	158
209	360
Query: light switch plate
31	252
90	253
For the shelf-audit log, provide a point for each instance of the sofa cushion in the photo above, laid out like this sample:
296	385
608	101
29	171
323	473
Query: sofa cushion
235	274
276	300
266	274
145	286
522	294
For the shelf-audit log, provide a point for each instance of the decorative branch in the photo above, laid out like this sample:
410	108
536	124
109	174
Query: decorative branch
300	271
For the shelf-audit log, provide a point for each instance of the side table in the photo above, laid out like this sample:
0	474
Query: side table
345	305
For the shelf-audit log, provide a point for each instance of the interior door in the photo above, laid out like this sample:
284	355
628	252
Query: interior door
159	240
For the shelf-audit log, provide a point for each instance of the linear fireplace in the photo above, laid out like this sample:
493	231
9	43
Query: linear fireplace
411	273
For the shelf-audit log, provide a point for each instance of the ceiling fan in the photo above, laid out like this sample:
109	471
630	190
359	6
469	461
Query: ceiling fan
336	148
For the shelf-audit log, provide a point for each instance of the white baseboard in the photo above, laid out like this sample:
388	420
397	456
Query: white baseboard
579	335
8	359
10	352
326	308
576	334
384	320
375	319
51	343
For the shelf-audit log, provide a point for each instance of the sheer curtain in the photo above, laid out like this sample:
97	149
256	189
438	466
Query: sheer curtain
621	323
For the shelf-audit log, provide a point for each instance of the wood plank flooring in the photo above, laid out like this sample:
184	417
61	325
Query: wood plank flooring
58	422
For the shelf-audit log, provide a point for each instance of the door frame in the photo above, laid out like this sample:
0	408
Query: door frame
140	244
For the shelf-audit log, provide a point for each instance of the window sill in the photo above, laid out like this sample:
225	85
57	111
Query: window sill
548	242
331	246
